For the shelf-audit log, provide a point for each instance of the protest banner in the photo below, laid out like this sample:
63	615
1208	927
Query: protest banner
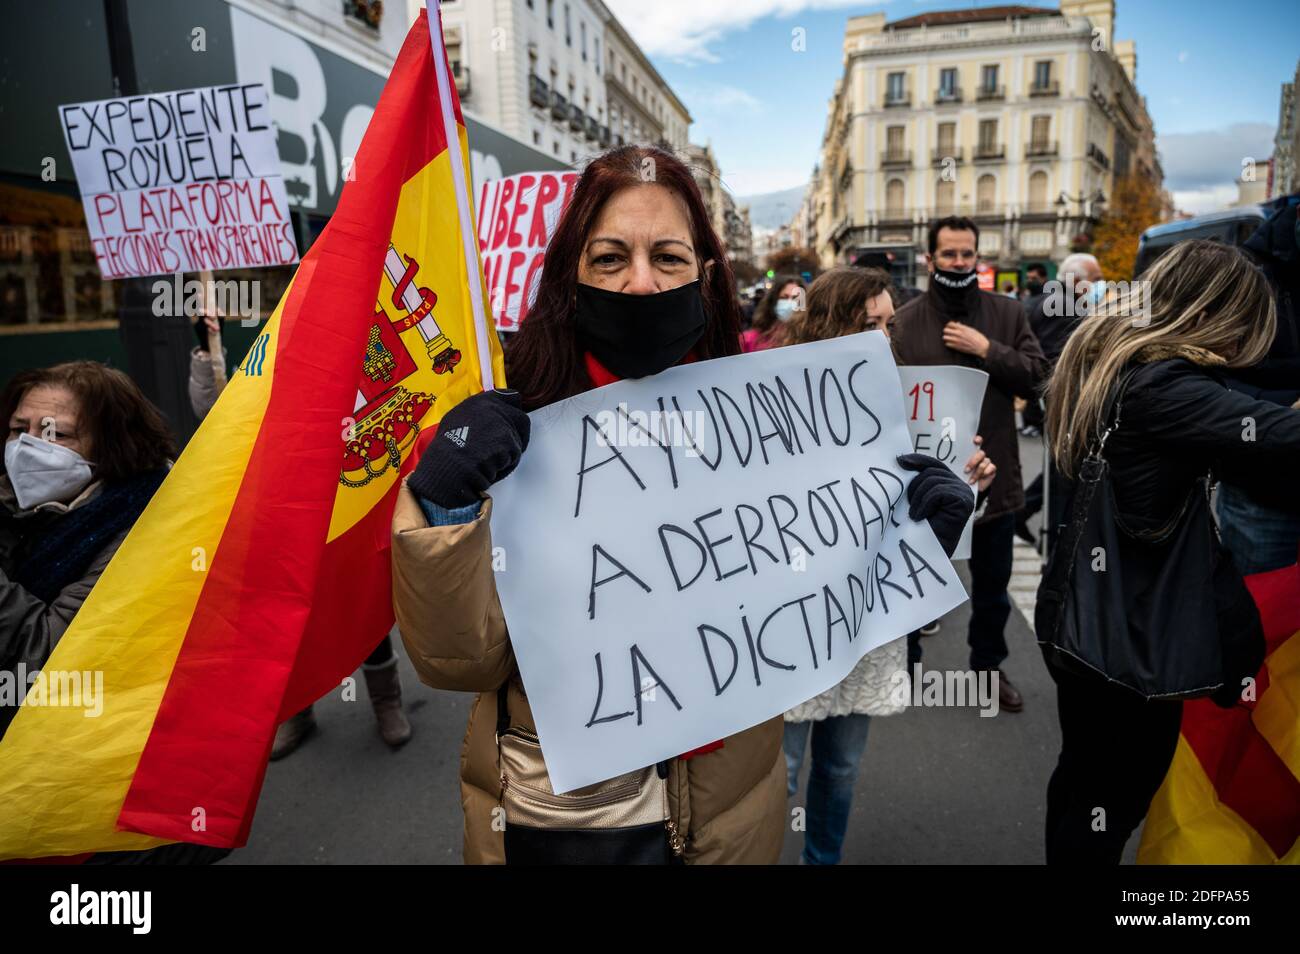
689	554
183	181
942	406
517	216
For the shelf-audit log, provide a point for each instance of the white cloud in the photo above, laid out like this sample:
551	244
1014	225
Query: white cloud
687	29
719	99
1211	157
1214	198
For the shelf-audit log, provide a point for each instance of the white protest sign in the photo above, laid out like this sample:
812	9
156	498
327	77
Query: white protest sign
184	181
942	406
689	554
517	216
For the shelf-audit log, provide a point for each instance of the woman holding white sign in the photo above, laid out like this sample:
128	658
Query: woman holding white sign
635	281
845	301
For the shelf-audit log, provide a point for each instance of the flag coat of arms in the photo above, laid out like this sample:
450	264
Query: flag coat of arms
259	576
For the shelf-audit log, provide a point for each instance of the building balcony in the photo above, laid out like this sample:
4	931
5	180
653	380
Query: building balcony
946	151
989	93
1096	154
897	99
1050	88
559	107
1040	147
577	119
895	215
538	94
945	96
592	129
461	72
990	152
896	157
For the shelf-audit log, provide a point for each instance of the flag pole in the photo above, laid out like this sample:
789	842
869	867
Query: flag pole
469	241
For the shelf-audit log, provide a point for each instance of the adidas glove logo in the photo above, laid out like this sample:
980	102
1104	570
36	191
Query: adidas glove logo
458	436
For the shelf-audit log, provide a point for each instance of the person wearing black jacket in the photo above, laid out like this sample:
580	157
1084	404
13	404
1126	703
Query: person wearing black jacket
1263	530
1206	312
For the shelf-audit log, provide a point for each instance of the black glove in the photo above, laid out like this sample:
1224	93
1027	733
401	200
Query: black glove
938	496
479	441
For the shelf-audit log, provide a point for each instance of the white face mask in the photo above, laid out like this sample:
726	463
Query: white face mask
785	308
42	472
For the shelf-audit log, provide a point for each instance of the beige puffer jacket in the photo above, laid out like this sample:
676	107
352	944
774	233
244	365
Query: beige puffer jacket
731	802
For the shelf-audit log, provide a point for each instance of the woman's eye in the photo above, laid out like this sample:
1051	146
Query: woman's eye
668	259
609	258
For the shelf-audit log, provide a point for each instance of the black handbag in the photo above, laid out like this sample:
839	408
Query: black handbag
1161	612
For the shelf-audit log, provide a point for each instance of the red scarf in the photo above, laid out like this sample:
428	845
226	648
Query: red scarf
601	376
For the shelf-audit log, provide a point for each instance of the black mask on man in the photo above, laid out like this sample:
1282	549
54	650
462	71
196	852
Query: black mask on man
956	290
1035	287
638	335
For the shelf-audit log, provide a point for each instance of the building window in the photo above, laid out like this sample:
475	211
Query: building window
985	193
1043	74
894	140
537	137
988	136
947	138
595	42
550	14
1040	134
1038	192
895	87
568	28
989	78
582	33
894	198
947	83
369	12
555	146
945	197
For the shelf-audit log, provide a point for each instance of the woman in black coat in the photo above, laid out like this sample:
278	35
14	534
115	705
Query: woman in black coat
1201	310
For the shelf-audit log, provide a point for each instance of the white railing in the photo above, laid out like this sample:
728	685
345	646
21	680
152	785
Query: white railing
991	32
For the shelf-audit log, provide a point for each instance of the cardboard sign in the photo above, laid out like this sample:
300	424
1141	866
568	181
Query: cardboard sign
184	181
517	216
687	555
942	406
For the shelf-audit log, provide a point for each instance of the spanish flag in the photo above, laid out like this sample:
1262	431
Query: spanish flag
1232	795
258	578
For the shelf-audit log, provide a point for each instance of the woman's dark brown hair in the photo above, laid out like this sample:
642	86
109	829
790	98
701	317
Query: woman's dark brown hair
765	313
837	304
126	434
544	359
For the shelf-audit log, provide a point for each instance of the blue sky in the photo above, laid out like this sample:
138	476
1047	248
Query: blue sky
1212	79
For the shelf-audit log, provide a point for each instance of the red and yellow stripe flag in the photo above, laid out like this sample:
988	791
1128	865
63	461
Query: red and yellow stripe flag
1232	795
259	575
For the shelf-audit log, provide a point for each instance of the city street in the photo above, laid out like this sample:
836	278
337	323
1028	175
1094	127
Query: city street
938	785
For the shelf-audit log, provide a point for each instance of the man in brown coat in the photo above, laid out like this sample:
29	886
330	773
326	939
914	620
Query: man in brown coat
956	323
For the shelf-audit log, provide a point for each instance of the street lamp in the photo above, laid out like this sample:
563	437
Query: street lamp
1097	198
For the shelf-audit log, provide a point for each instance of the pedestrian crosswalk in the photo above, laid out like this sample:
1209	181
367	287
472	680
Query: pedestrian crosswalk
1026	570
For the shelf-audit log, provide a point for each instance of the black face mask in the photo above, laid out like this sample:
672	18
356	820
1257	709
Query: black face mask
956	290
1035	288
638	335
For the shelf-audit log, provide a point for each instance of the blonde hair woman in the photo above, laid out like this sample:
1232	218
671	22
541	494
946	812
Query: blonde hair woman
1143	370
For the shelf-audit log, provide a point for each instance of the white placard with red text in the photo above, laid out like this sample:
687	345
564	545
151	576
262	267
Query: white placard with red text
183	181
517	216
942	407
